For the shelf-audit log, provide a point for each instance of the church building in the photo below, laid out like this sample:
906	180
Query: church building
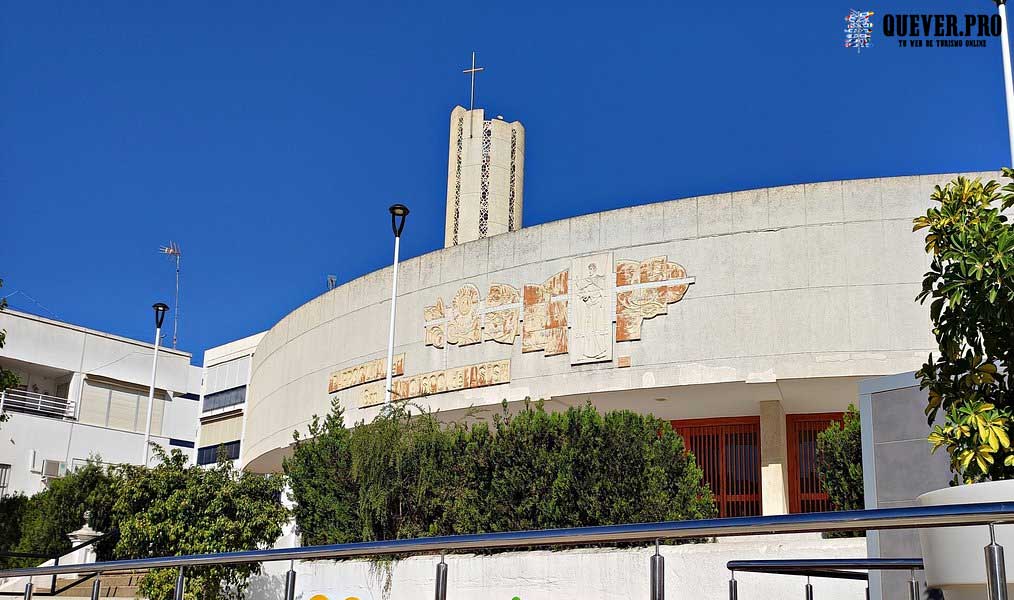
746	319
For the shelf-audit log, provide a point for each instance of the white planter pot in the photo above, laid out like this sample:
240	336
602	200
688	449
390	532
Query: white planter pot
954	558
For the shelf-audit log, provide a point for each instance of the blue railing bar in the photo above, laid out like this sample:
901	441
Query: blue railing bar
830	564
877	519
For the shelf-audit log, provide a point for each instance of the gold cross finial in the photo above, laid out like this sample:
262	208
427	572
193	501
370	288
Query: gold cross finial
472	72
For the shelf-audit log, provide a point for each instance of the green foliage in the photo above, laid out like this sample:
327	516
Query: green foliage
407	475
8	379
59	509
971	288
12	511
175	509
840	462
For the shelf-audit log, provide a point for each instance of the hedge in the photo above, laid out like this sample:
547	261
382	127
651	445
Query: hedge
409	475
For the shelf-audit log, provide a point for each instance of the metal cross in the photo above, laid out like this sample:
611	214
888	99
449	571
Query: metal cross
472	71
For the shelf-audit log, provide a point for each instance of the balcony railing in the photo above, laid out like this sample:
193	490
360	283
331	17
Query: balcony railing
886	518
34	403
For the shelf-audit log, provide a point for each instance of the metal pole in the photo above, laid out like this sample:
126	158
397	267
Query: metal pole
441	579
913	587
151	396
96	588
176	302
3	396
1008	90
996	573
52	585
809	589
180	584
733	587
290	583
390	337
657	575
28	590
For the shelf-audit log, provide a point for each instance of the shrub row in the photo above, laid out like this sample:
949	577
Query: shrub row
407	475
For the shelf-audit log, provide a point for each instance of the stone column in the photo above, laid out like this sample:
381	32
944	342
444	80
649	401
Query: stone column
773	453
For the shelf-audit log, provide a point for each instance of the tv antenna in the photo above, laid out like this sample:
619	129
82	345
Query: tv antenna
172	250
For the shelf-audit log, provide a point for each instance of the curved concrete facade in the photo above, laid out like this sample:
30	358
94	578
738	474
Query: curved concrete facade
798	291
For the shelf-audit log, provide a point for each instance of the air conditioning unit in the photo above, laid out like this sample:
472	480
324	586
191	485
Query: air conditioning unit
53	469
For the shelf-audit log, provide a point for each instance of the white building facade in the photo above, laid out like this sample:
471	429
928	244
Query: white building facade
83	394
226	374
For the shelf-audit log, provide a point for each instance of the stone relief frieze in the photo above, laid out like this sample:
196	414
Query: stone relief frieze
573	312
366	372
437	382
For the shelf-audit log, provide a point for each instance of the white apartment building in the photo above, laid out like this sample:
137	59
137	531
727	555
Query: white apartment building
223	398
83	394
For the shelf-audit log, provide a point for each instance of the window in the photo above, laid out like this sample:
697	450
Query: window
728	451
230	397
209	454
805	493
5	477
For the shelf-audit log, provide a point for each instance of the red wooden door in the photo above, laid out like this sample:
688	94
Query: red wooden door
805	492
728	451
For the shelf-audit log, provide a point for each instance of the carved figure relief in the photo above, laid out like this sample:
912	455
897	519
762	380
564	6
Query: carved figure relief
545	324
435	334
465	326
639	301
373	370
502	325
591	331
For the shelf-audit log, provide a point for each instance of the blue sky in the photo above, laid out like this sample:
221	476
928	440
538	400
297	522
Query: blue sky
268	139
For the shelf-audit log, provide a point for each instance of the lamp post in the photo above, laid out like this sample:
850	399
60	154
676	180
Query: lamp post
398	214
1008	88
160	309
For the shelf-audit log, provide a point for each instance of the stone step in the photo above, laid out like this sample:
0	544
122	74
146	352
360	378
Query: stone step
114	585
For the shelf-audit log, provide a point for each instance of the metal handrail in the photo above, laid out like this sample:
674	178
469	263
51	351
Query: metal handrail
954	515
827	568
36	403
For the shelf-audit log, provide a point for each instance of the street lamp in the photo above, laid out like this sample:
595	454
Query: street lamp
160	309
1008	89
398	214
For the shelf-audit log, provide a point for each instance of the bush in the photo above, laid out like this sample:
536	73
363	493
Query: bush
406	475
12	511
970	285
840	462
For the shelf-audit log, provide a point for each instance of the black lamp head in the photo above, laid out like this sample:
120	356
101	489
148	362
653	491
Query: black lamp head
398	214
160	310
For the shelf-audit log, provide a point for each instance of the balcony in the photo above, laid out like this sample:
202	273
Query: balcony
34	403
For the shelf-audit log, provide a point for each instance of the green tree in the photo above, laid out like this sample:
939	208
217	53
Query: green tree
8	379
59	509
840	462
175	509
319	472
970	286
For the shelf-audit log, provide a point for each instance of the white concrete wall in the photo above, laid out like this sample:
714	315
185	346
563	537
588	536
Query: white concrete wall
792	283
73	443
898	466
693	572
